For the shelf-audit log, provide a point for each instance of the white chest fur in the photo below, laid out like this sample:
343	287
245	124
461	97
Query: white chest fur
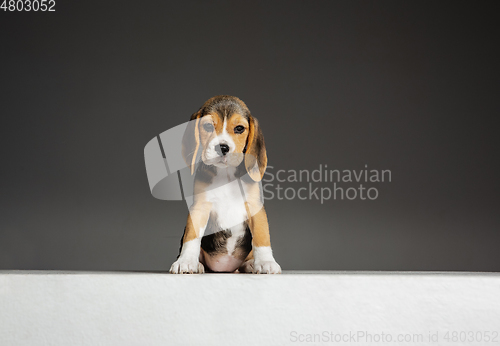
228	205
227	198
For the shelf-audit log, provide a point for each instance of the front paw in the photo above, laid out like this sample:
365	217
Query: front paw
186	266
266	267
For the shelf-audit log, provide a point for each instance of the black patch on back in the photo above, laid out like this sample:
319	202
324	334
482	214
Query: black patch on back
215	243
243	245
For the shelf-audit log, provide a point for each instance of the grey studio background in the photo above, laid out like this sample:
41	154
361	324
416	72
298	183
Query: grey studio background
407	86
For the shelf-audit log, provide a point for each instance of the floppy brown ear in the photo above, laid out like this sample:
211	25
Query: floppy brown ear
255	155
191	141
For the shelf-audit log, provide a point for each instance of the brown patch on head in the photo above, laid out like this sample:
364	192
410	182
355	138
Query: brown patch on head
209	127
237	128
225	106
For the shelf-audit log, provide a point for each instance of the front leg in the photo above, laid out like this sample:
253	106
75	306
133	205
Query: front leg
263	261
188	261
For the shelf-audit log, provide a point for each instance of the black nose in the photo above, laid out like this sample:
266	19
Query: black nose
222	149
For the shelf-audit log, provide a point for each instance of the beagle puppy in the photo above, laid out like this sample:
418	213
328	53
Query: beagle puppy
227	228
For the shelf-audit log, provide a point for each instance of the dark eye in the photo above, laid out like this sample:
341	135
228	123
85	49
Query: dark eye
208	127
239	129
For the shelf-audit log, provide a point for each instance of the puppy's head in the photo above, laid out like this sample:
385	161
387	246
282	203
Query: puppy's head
226	134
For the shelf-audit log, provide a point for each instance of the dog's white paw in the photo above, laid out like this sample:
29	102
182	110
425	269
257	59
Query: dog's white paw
183	266
266	267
